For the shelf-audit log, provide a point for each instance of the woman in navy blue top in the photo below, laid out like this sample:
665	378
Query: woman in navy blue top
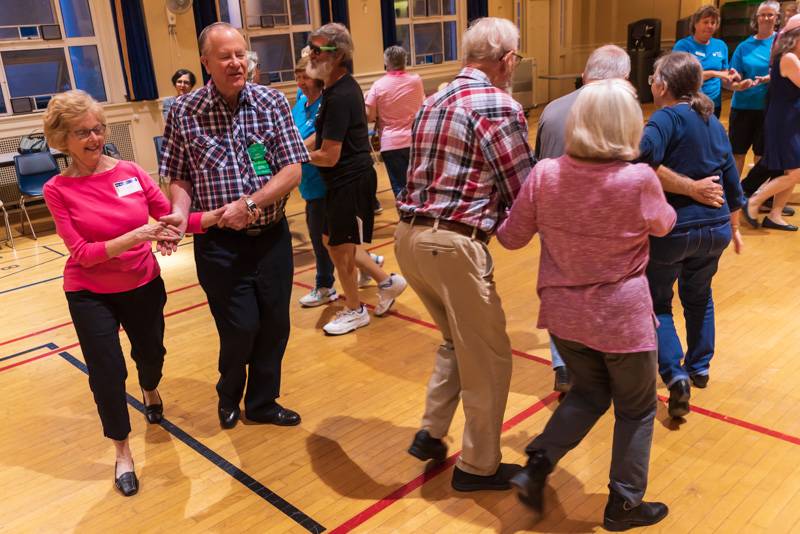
685	136
781	129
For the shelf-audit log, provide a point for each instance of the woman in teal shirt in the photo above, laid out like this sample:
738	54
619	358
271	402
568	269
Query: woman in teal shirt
712	54
751	60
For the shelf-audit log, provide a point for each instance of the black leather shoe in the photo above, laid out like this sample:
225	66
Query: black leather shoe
281	417
750	220
766	207
228	418
679	394
426	448
769	223
463	481
562	383
126	483
154	413
699	381
531	480
619	515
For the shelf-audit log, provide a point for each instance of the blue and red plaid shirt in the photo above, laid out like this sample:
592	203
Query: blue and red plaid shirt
206	144
469	153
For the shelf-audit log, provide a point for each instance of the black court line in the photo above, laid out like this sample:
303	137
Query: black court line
32	267
30	285
249	482
51	346
53	250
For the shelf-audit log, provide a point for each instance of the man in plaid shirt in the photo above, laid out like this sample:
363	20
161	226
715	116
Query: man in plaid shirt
469	157
231	148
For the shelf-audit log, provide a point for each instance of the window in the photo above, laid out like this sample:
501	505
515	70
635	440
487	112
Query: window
277	30
46	47
428	29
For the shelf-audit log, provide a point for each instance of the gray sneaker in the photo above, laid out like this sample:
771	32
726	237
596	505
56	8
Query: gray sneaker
318	296
386	295
363	278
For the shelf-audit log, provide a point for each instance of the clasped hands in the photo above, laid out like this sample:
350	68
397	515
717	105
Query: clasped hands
233	215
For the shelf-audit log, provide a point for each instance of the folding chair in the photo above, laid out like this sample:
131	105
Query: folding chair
33	171
9	235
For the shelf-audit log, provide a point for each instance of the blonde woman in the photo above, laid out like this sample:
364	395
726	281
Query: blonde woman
101	207
594	297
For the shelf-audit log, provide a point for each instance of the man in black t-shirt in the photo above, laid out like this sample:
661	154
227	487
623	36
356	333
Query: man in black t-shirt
342	153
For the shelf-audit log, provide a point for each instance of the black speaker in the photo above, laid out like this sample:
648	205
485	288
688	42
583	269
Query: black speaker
683	28
644	46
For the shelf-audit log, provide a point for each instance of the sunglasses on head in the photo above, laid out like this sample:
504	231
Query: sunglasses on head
320	49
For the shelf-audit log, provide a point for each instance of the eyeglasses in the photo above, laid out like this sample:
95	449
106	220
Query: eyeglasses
84	133
651	79
517	58
767	16
317	50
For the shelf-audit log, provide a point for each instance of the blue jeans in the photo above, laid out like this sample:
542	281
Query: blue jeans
556	358
396	162
315	219
691	257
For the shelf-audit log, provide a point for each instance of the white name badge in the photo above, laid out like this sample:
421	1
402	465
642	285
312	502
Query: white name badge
127	187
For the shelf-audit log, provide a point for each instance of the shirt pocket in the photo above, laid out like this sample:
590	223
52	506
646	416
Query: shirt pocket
209	152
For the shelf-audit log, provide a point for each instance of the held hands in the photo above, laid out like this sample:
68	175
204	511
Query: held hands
733	76
159	231
177	222
210	218
236	216
708	191
744	85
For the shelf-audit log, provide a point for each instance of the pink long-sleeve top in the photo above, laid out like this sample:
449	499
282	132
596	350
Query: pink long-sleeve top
90	210
593	220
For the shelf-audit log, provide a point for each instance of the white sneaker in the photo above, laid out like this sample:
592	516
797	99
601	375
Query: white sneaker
386	295
363	278
318	297
346	321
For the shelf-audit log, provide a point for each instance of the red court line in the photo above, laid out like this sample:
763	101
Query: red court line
740	423
374	509
26	336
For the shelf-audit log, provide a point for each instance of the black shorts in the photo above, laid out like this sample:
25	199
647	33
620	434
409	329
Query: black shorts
745	130
350	210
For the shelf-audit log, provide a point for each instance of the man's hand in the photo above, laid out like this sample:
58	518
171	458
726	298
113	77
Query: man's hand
708	191
236	216
177	223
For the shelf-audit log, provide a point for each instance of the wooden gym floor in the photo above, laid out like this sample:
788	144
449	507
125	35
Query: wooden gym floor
732	466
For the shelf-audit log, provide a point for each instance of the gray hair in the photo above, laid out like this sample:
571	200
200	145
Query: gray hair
202	40
394	58
252	63
337	35
489	38
770	4
607	62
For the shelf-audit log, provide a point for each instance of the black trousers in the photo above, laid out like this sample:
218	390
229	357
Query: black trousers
248	281
97	318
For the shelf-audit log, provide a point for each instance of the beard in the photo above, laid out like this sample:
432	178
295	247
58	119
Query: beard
321	71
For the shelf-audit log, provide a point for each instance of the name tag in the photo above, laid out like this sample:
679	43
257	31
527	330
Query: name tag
700	54
127	187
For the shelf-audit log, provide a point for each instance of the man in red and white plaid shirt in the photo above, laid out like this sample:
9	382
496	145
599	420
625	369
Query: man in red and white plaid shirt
469	157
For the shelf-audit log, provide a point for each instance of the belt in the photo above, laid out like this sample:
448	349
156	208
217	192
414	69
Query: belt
252	231
472	232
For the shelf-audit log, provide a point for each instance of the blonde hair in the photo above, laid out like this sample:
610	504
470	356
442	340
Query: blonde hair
605	122
65	110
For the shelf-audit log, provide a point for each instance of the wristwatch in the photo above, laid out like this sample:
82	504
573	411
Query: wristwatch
251	206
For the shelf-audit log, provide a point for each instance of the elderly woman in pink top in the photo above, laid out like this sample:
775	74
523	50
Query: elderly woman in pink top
392	102
595	300
101	207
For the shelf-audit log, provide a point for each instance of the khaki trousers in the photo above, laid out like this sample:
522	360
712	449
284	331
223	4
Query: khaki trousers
453	276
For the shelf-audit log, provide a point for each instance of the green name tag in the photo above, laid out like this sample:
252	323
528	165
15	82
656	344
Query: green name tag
258	157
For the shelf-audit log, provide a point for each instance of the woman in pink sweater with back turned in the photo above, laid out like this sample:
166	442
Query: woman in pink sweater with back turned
595	301
101	207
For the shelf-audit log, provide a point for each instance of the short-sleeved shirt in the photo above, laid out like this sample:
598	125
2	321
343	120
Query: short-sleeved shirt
469	153
343	118
304	114
712	56
396	97
751	59
206	144
550	132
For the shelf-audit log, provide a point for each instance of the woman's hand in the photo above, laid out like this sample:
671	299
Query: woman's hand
210	218
738	242
176	222
157	232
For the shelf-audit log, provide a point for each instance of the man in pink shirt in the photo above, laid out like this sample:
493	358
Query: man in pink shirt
392	102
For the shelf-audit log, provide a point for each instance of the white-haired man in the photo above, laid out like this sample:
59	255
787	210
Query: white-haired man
469	157
605	63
